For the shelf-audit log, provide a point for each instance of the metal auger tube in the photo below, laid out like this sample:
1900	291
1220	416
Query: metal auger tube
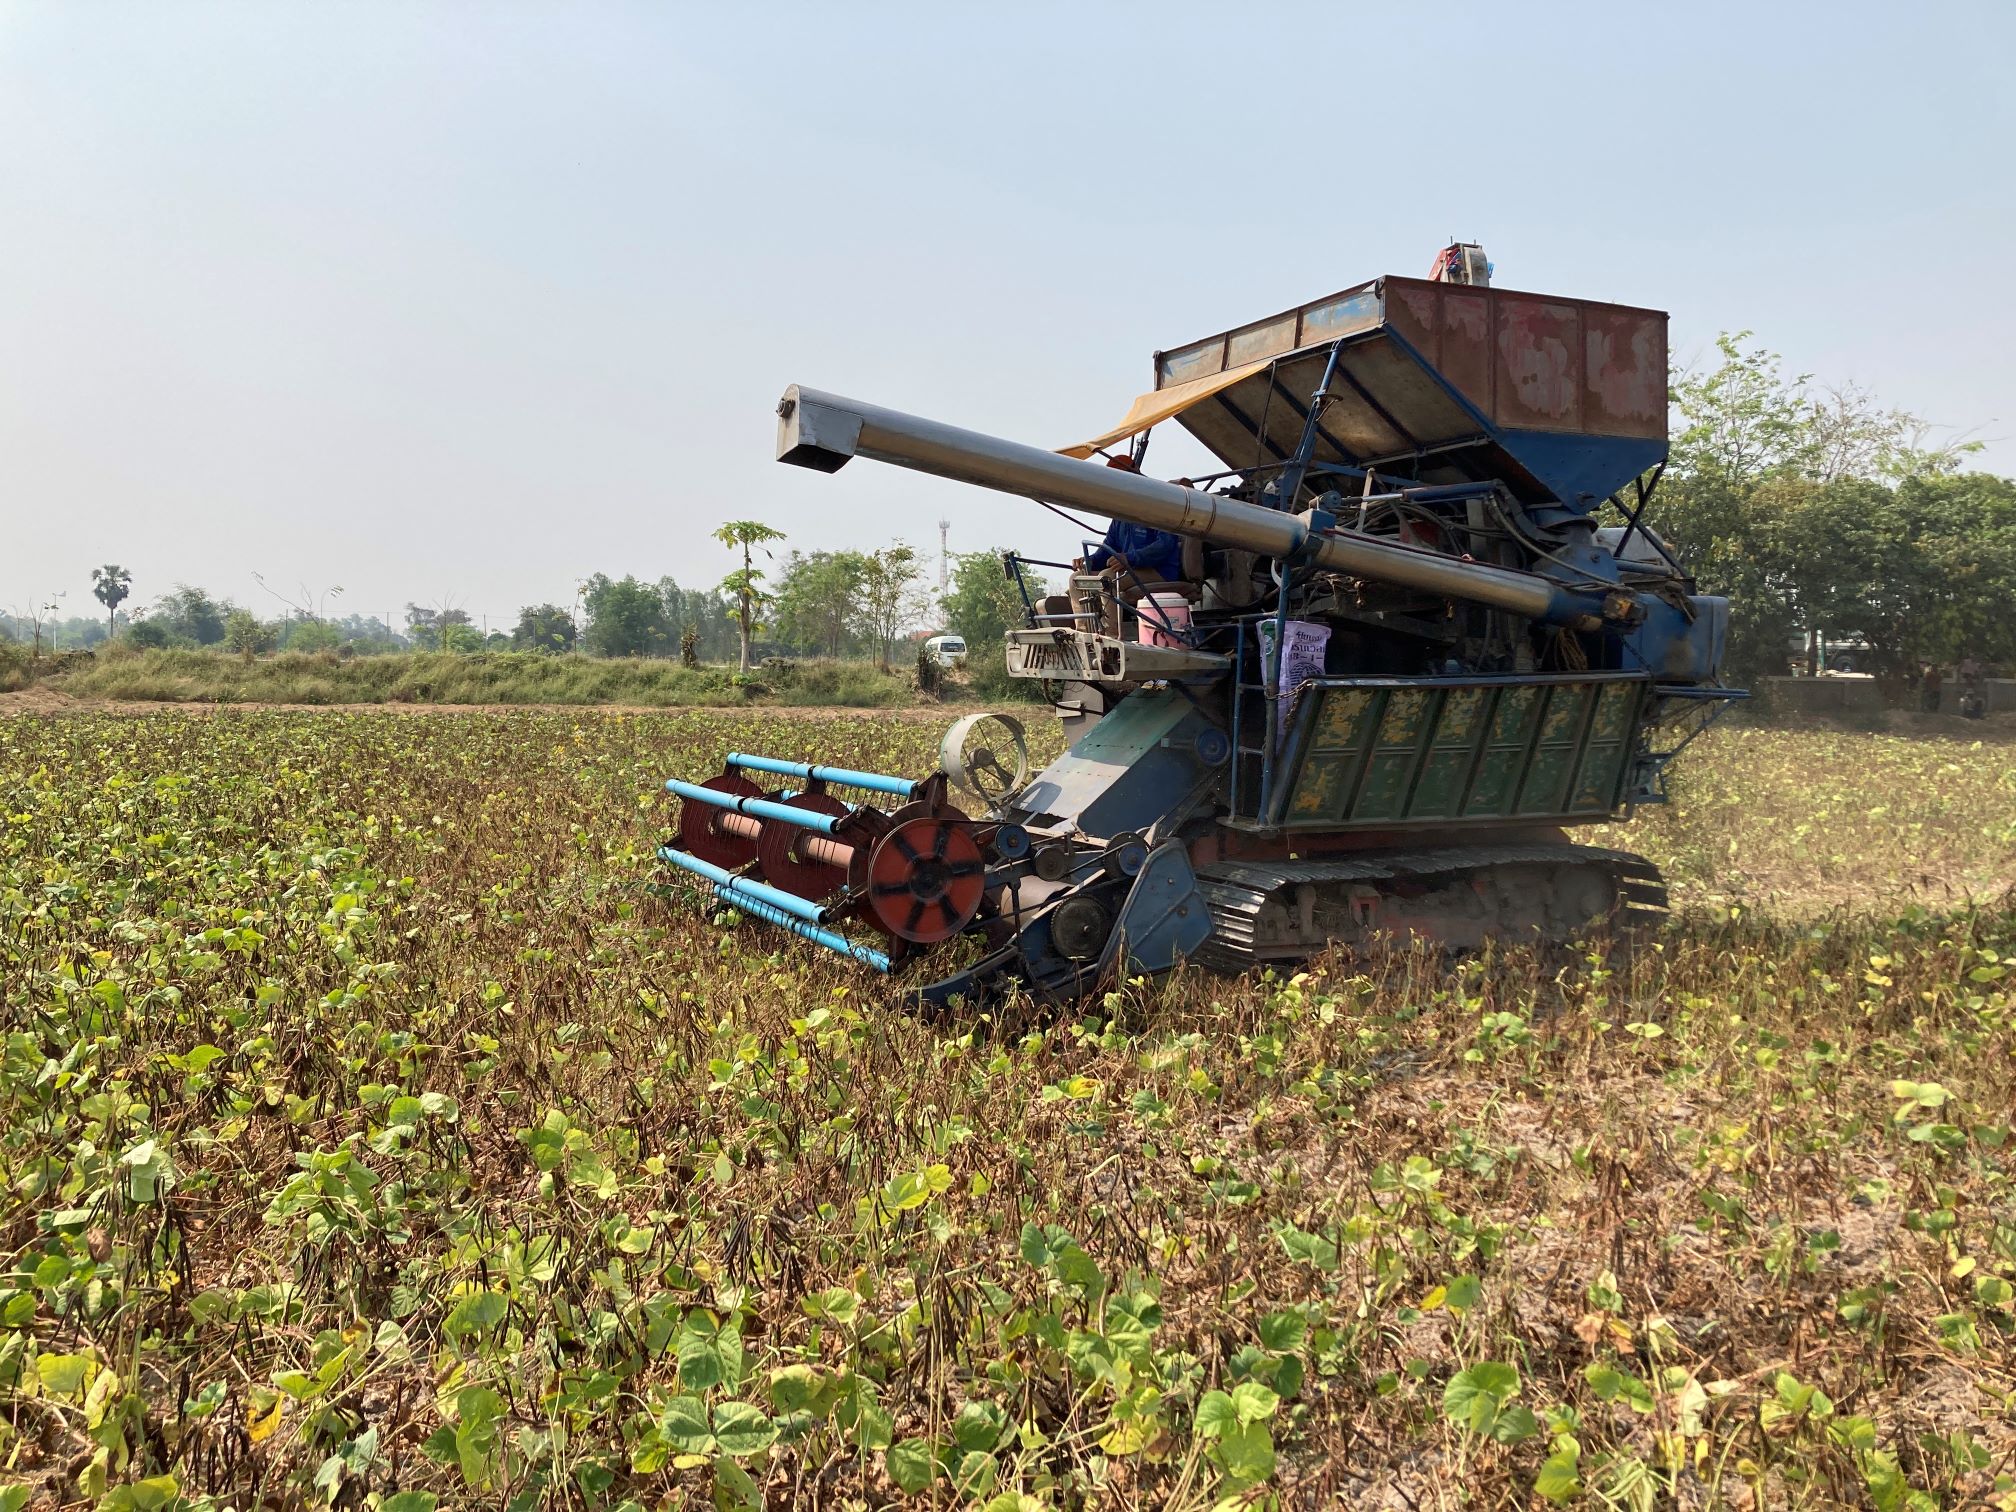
874	782
822	431
774	907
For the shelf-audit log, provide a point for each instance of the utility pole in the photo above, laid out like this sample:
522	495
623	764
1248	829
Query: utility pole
944	554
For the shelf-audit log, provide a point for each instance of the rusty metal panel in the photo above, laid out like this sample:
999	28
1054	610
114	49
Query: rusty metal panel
1413	309
1463	353
1346	315
1625	371
1539	366
1270	338
1199	360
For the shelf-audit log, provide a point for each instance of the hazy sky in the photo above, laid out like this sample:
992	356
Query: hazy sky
468	301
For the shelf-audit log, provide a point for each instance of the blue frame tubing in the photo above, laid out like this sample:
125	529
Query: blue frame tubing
769	904
874	782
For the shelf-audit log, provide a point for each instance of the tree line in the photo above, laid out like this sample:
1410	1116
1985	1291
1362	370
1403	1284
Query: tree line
843	604
1818	509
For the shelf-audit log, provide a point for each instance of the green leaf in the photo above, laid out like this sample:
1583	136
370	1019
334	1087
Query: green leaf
1853	1432
1310	1249
1253	1402
1283	1331
912	1464
1472	1397
150	1174
409	1501
1605	1380
1558	1481
875	1429
588	1170
1463	1293
734	1489
478	1405
840	1303
1041	1245
683	1421
913	1189
742	1430
155	1494
1076	1268
709	1351
974	1473
980	1427
1216	1415
65	1374
477	1312
800	1388
1247	1453
1887	1487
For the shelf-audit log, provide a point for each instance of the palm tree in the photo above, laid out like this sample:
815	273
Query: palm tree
745	584
111	584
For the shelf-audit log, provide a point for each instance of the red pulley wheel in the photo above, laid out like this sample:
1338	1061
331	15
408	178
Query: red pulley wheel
700	829
776	848
925	879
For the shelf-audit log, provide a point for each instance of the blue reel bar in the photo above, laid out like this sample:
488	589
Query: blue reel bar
755	808
874	782
775	907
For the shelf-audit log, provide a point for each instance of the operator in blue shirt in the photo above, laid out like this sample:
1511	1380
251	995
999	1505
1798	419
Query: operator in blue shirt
1152	554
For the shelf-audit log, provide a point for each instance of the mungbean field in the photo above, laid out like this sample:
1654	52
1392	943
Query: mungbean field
379	1133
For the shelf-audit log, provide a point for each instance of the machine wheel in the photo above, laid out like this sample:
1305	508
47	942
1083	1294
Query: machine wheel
925	879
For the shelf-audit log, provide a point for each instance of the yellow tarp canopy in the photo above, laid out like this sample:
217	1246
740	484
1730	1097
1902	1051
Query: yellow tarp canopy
1153	409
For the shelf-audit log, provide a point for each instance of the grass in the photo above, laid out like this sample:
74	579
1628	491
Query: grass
506	677
375	1128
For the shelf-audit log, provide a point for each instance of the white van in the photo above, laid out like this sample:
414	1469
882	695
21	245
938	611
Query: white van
946	650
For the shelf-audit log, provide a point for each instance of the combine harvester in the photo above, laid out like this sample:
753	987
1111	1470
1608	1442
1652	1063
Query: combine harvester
1358	681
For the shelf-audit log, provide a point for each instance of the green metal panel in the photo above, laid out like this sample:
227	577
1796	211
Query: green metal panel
1452	754
1377	753
1404	725
1563	725
1510	737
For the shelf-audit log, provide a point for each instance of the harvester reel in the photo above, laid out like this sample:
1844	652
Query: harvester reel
925	879
700	831
986	756
777	851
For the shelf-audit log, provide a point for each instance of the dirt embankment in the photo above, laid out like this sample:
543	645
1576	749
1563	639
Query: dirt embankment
47	700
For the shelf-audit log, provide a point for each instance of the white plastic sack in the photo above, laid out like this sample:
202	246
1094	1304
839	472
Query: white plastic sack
1301	659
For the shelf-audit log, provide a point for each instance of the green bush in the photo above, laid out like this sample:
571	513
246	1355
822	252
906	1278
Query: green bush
987	678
